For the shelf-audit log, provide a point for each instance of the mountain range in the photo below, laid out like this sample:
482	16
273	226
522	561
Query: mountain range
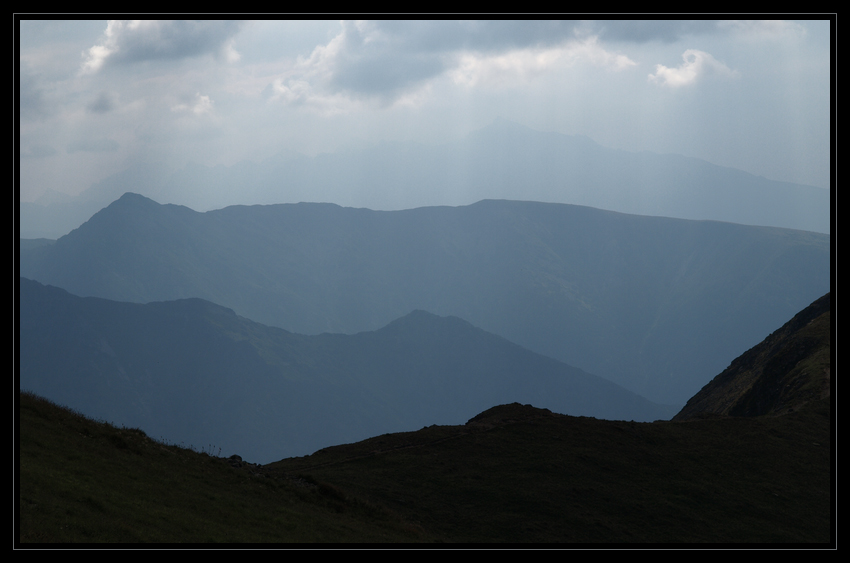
192	372
656	305
504	160
512	473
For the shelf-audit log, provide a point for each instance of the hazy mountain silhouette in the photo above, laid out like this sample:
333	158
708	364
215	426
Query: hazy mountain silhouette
511	473
786	370
653	304
193	372
504	160
725	470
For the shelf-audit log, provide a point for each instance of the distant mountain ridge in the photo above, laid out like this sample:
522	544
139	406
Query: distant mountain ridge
651	303
191	371
504	160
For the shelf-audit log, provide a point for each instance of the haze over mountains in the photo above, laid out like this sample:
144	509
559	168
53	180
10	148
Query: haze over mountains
656	305
281	238
194	372
503	161
512	473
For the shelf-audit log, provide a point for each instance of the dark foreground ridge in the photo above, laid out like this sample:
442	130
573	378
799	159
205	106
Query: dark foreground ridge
514	473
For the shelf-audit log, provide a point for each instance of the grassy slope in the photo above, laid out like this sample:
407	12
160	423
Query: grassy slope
516	474
582	480
86	481
788	368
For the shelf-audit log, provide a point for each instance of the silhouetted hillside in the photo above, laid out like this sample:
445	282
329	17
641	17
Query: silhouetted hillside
786	370
513	473
90	482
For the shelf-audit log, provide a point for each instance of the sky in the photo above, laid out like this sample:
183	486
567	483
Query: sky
98	97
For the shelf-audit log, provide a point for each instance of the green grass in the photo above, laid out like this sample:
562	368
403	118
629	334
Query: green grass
517	474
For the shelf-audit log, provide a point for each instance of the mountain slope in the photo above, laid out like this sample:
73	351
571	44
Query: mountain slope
84	481
520	474
529	475
513	473
787	369
193	372
653	304
440	367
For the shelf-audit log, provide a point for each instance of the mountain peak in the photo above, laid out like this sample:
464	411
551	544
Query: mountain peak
132	197
134	201
513	412
421	314
416	319
129	201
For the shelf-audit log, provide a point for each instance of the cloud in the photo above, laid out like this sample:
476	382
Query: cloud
132	41
642	31
523	64
298	92
32	102
230	53
389	61
670	31
697	65
487	36
763	30
364	61
370	59
104	103
201	105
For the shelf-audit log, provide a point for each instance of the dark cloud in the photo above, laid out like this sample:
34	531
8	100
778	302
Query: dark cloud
384	58
104	103
641	31
132	42
486	35
385	72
